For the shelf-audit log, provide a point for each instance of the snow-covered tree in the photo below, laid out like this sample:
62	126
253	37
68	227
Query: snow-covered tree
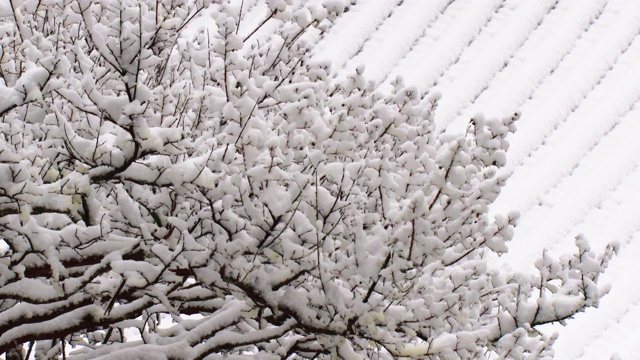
219	195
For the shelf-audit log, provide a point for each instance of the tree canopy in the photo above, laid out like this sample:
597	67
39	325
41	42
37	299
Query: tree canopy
219	194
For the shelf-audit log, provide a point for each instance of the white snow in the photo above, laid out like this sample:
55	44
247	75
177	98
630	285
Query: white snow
571	69
5	8
443	43
351	31
384	48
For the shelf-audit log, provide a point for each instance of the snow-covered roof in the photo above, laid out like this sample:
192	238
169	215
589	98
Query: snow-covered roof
572	68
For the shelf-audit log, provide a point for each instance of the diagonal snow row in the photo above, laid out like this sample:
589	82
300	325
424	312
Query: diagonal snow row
565	209
538	57
444	42
383	50
351	31
488	56
545	182
580	71
534	172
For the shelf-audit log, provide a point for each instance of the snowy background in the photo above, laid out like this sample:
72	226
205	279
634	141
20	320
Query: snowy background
571	68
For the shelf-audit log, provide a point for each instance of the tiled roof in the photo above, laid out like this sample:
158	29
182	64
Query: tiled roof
572	67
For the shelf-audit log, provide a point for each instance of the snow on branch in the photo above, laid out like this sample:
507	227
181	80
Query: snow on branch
164	196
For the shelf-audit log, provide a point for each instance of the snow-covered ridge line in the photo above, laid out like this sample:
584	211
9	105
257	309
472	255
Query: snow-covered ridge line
383	49
352	30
